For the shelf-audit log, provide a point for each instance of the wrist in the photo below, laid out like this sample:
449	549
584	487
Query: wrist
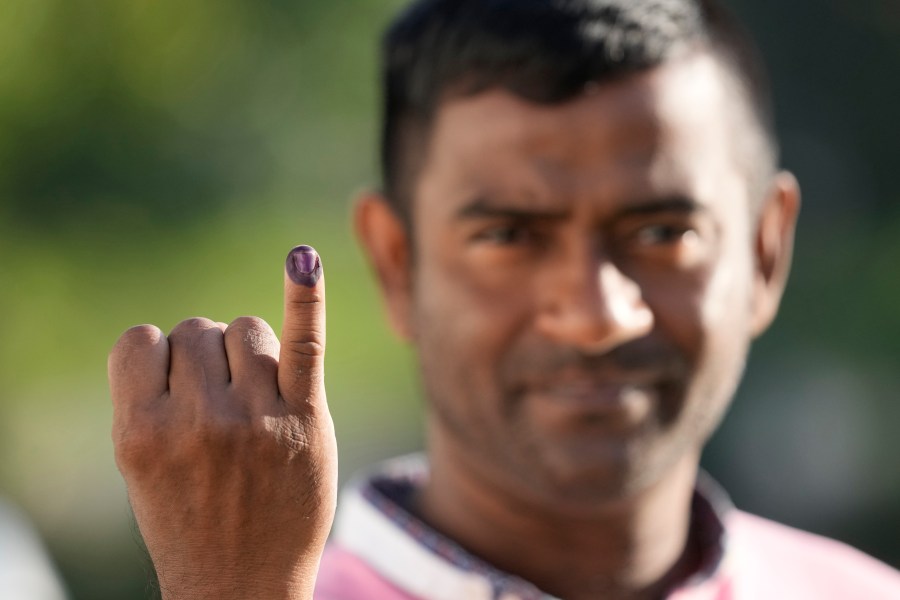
240	583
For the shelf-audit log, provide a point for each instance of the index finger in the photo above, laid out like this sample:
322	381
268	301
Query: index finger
302	358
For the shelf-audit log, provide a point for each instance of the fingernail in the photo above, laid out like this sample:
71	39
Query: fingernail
303	266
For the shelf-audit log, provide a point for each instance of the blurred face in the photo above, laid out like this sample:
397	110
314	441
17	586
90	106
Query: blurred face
582	292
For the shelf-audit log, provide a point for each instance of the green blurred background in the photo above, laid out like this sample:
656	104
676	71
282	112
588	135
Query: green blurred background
157	160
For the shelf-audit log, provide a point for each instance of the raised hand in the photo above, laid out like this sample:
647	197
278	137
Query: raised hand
227	447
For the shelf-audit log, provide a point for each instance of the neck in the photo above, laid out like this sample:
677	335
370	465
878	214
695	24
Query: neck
634	547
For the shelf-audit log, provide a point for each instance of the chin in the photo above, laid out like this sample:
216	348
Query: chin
582	479
583	475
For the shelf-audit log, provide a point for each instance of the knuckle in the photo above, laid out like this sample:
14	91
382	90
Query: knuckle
136	337
124	359
192	326
253	335
243	324
250	330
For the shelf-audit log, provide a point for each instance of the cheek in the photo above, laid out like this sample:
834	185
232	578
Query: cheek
464	321
727	320
728	302
707	315
463	330
470	298
719	342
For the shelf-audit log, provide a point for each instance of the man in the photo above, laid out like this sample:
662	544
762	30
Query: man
582	229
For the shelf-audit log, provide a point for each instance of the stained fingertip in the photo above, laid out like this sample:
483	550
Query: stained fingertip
304	266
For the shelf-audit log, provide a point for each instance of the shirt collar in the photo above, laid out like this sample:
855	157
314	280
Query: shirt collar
374	523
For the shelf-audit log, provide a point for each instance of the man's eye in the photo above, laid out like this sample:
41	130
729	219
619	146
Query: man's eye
681	244
506	235
664	234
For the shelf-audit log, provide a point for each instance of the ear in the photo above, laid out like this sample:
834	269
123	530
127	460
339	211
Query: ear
385	242
774	248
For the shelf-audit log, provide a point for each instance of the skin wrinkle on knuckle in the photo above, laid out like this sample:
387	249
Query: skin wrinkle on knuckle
305	303
291	431
313	346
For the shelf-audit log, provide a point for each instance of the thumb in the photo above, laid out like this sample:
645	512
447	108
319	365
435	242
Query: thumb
301	364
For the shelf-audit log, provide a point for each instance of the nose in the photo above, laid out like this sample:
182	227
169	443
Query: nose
594	308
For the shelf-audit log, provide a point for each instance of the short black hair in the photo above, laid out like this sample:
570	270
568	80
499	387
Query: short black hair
546	51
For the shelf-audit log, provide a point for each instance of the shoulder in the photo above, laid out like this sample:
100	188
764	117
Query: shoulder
345	576
776	561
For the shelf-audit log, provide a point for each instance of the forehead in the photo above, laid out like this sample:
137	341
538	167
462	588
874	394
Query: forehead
669	127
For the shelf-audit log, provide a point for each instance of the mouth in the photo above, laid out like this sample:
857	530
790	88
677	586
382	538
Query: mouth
594	397
589	393
617	402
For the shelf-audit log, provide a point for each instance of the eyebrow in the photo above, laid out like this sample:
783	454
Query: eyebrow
676	204
482	208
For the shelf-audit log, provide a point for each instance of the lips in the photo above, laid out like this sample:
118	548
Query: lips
568	402
579	390
591	393
563	389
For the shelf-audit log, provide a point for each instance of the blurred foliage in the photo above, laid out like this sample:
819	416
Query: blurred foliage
157	159
168	110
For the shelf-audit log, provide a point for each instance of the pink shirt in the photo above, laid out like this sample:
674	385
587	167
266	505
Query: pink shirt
380	551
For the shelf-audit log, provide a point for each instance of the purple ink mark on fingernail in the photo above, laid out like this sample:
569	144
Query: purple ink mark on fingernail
303	266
